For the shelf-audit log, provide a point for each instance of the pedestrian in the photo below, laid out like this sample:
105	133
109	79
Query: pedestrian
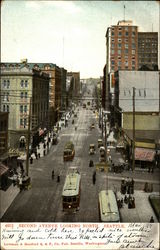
121	202
125	199
109	157
151	219
39	155
52	174
44	145
36	155
58	178
130	204
133	202
123	186
91	163
94	179
146	187
114	169
31	160
44	152
128	189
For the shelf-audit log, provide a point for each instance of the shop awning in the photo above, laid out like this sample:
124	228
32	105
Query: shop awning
144	154
3	169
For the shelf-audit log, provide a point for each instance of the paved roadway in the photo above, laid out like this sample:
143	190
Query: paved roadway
43	202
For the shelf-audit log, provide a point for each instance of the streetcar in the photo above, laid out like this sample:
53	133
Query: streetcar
69	151
108	208
71	191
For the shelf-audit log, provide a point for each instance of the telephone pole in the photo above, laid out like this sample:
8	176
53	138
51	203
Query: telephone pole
133	141
102	124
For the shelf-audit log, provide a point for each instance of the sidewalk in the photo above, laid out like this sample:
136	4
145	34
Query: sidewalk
142	211
7	198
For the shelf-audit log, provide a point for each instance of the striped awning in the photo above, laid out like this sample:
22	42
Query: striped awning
3	169
144	154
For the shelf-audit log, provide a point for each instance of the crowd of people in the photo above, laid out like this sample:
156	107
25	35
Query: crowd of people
127	186
127	189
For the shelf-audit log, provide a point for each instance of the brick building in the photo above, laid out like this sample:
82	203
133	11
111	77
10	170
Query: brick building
148	50
19	85
121	52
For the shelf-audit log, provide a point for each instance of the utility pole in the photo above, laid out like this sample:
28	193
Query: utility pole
106	158
102	124
133	141
28	139
124	12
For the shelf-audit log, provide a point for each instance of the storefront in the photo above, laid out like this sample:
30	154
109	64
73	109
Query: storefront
144	157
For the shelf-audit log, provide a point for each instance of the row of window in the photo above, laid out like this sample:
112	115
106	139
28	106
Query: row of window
6	83
148	45
123	40
23	122
125	45
120	63
5	108
141	50
147	40
24	95
119	68
120	57
147	55
125	28
5	96
148	60
23	108
125	51
24	83
126	33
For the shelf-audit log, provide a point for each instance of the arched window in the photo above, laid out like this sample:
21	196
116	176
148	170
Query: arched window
4	108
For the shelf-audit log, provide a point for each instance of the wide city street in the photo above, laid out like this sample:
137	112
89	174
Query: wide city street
43	201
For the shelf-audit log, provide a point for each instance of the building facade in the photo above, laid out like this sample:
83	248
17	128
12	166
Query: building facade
121	52
74	78
63	89
25	92
144	108
3	132
148	50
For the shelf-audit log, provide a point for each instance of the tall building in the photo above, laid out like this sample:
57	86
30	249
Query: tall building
63	88
148	50
121	52
74	92
22	88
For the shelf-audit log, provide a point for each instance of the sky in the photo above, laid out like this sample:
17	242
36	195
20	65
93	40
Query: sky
70	34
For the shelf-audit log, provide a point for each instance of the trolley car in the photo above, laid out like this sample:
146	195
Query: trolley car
69	151
71	191
108	209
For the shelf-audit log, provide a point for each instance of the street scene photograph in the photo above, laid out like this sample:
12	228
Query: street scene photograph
80	111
